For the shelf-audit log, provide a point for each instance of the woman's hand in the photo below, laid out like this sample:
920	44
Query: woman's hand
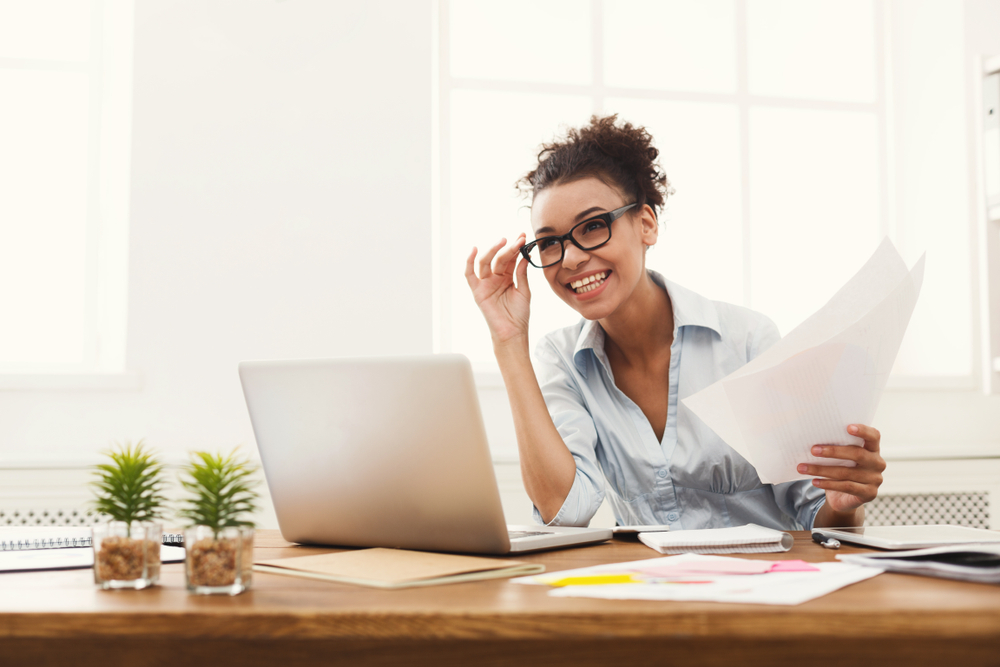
504	305
847	489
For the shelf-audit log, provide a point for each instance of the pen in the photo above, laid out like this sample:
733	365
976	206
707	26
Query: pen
825	542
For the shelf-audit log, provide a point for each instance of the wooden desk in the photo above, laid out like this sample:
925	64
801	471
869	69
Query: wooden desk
60	618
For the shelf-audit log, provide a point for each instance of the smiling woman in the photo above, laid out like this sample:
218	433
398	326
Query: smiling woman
603	414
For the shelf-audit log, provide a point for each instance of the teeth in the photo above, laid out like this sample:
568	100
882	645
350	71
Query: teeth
589	283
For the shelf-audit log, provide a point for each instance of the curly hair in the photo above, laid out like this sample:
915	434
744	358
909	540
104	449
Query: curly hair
619	154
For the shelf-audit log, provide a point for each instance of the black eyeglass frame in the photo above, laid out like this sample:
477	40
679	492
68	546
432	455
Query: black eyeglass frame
608	218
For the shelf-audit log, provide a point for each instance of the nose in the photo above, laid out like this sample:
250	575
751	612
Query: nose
573	257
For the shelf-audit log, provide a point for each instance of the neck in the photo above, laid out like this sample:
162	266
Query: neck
643	327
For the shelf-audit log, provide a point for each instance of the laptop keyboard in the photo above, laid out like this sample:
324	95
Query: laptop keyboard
514	534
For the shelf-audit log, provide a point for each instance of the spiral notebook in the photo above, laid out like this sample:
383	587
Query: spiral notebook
27	548
748	539
19	538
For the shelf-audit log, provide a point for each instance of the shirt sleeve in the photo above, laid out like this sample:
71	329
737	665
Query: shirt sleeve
574	423
798	499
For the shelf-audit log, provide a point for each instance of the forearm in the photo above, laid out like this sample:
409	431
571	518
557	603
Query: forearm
547	466
830	518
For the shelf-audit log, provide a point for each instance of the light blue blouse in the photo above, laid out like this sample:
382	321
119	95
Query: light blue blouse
690	479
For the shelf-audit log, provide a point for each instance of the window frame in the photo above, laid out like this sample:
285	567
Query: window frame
109	70
487	375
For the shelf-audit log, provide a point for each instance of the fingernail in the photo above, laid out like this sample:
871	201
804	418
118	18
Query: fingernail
817	450
852	428
803	467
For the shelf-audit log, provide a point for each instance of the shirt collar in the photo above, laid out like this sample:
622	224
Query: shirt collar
690	310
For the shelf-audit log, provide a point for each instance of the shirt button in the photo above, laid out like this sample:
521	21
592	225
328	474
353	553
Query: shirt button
661	473
673	516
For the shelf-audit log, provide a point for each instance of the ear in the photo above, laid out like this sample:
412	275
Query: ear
649	227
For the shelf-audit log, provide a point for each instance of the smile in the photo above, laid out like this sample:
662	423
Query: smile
589	283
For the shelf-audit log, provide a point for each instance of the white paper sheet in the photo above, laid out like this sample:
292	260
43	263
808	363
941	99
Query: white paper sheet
779	588
827	373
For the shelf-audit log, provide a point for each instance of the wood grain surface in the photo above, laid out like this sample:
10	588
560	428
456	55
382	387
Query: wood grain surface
47	617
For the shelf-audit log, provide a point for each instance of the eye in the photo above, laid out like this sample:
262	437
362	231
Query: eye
595	225
547	242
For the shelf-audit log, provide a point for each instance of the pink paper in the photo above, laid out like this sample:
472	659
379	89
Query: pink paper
793	566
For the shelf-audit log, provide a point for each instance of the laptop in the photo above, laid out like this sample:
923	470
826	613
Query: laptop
384	452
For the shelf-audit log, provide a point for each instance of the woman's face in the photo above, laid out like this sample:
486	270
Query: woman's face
616	267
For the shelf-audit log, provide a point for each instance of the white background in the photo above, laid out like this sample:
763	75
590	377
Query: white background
281	207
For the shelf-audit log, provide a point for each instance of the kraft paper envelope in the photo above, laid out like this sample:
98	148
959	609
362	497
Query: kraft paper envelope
395	568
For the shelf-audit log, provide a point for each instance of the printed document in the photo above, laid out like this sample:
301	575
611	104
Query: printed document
827	373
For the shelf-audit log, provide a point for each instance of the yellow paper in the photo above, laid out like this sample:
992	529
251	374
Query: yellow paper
594	580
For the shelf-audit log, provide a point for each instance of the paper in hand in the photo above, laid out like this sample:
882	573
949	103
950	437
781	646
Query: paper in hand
827	373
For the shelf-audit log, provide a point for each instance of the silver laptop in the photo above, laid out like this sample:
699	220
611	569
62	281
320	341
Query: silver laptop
387	452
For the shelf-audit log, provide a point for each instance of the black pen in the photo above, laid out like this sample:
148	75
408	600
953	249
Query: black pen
824	541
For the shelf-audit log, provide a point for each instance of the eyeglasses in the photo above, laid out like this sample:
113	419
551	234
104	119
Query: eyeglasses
590	234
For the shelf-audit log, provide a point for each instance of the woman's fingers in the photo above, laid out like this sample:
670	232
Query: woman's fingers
848	487
857	474
486	262
870	435
504	264
861	456
863	492
470	269
522	278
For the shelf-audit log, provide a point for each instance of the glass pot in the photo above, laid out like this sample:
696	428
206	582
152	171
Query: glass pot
218	563
127	555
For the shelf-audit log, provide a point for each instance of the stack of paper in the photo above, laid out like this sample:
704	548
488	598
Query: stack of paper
746	539
966	562
827	373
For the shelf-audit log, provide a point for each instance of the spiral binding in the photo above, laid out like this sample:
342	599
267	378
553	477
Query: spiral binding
44	543
173	539
170	539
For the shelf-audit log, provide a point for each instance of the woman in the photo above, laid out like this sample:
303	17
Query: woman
603	416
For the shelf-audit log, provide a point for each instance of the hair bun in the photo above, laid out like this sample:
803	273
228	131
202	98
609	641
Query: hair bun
607	149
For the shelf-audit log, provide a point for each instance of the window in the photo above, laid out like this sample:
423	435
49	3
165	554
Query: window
791	148
65	82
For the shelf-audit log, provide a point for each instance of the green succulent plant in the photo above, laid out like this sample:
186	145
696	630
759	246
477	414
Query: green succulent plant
222	491
129	488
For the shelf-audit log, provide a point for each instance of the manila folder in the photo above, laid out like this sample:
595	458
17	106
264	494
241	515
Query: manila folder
396	568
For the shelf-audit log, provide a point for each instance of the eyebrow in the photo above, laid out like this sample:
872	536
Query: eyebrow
579	216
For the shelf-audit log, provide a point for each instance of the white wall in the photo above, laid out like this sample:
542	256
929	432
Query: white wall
264	132
280	208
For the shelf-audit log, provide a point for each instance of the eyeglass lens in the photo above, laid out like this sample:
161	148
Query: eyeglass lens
588	234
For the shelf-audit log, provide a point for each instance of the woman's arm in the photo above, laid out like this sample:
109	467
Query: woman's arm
547	466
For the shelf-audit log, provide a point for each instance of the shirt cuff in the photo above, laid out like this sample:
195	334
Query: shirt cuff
815	510
570	513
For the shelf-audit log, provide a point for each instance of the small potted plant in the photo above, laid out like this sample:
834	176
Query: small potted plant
128	489
219	539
